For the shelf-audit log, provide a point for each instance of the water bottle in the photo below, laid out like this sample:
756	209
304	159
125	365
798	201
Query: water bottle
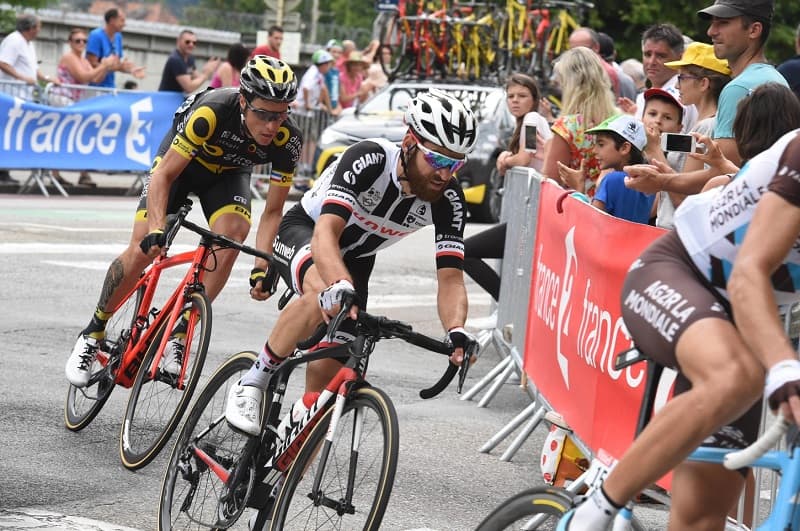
296	413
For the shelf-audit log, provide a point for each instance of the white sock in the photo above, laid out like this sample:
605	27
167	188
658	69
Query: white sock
264	367
596	512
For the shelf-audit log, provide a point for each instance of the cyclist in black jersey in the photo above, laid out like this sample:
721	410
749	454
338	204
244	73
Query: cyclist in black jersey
216	138
374	195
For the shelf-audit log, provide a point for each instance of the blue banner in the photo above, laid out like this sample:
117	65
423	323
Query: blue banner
114	132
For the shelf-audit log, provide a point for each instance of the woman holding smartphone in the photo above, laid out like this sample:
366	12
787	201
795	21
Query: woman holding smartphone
522	97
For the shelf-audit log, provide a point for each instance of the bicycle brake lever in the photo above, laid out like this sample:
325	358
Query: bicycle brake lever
465	363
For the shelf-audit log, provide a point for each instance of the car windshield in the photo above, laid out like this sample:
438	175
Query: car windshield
396	97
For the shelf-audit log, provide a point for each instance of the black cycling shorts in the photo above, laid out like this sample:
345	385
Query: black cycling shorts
219	193
658	291
292	253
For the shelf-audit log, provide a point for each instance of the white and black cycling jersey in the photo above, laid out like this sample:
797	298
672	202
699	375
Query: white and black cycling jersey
712	225
362	187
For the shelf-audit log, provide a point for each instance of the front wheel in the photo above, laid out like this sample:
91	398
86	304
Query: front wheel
156	403
345	483
539	508
193	496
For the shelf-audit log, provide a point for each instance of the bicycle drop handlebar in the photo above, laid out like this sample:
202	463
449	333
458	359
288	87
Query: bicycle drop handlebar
380	327
746	456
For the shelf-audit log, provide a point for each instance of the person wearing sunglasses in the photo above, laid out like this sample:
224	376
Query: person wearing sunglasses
180	71
217	136
75	69
375	194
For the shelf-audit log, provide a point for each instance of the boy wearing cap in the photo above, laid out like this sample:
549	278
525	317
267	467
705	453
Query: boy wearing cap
619	142
663	113
313	93
334	48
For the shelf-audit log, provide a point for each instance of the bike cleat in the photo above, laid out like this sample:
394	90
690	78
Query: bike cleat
80	362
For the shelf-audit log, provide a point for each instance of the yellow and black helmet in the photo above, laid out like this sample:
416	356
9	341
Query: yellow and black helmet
268	78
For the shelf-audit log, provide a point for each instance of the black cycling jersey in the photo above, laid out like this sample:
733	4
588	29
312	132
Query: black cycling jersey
208	129
363	188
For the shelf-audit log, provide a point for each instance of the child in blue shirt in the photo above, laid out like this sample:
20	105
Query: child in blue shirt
620	141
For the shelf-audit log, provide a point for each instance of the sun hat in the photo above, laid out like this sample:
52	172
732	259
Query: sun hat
626	126
321	57
356	57
758	9
702	55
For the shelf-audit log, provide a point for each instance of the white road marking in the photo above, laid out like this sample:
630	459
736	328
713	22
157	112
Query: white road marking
62	228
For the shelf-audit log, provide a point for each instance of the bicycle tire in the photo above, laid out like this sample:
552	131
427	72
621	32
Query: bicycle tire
191	494
370	496
516	512
399	44
83	404
155	406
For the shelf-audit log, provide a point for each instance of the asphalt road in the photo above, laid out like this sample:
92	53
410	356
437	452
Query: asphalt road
53	256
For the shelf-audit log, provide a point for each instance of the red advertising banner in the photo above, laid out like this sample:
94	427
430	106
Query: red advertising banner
575	328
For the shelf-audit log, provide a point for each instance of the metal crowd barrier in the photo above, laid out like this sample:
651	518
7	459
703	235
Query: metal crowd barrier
520	203
311	124
311	127
58	96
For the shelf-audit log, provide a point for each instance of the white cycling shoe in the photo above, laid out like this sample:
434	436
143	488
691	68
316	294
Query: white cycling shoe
79	364
243	409
172	360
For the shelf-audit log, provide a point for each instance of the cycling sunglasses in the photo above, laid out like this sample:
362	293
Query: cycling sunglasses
439	161
268	116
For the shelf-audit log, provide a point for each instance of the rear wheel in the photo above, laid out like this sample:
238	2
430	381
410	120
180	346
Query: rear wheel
353	475
157	403
538	508
84	403
192	495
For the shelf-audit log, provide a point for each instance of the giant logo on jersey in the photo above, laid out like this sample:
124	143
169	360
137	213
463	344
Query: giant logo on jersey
366	160
457	205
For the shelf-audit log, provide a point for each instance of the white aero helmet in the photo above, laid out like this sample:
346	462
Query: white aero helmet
443	120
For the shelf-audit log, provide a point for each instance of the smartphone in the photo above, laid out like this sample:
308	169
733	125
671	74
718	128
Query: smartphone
678	142
529	131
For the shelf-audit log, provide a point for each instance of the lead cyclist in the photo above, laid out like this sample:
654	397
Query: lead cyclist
374	195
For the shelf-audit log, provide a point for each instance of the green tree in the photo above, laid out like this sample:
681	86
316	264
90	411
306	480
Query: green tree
8	16
626	20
